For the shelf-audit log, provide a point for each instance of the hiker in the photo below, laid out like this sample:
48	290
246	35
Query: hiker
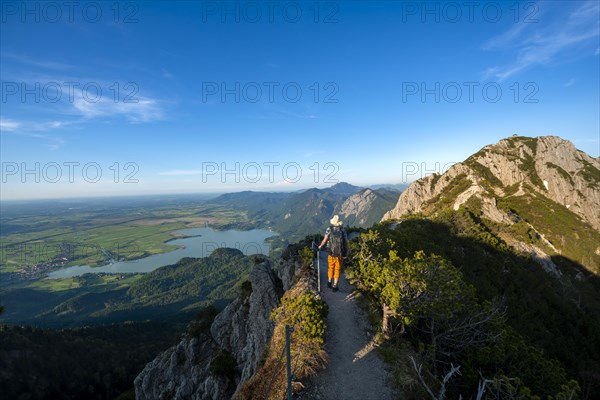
337	249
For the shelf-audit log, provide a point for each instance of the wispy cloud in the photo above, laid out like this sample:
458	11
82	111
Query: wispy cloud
34	129
68	93
34	62
569	83
538	44
9	125
143	110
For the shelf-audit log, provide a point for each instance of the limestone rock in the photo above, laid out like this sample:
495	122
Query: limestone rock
243	329
366	207
244	326
547	169
550	165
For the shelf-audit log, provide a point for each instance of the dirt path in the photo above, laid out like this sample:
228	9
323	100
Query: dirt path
355	370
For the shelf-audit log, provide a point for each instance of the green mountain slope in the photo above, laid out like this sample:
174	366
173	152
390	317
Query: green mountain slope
540	195
173	292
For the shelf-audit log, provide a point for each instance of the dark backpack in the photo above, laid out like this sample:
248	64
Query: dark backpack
337	242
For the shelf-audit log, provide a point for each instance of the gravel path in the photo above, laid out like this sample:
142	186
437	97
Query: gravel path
355	370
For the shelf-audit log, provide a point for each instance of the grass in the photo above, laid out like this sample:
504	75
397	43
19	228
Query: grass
56	285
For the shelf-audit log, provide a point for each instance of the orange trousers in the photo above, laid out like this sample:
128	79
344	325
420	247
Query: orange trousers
335	266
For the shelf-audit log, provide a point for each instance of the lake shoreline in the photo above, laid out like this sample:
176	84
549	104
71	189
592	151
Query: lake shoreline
191	242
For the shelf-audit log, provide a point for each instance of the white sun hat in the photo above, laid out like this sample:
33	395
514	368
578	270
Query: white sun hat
335	221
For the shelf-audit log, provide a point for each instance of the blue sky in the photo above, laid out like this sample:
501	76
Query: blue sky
119	98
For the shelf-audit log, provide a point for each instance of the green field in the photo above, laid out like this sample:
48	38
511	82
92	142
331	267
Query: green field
95	238
100	282
46	238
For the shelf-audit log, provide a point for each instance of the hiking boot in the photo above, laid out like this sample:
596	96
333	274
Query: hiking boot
335	288
329	284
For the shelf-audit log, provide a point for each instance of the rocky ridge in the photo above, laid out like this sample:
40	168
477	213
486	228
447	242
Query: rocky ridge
365	208
243	330
518	169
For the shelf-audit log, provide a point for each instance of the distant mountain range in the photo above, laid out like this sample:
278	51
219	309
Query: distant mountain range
297	214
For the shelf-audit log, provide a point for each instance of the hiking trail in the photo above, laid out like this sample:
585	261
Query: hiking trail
355	370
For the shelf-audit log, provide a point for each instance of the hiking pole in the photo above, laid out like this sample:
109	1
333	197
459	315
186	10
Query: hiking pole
319	269
288	334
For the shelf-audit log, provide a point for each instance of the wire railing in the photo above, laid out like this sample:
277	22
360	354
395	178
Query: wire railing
286	351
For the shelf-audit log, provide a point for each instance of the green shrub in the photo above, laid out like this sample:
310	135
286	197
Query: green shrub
307	313
306	256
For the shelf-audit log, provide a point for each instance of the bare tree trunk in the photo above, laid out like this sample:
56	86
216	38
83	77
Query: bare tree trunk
442	390
385	320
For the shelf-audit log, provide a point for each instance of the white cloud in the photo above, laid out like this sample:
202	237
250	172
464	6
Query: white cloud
9	125
45	64
143	110
34	130
569	83
541	44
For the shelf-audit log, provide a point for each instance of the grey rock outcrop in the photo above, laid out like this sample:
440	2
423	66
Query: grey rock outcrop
182	372
243	329
244	326
366	207
415	198
552	166
547	171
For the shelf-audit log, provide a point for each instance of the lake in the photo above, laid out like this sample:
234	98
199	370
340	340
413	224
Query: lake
200	243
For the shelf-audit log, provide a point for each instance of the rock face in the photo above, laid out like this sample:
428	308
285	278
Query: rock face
545	178
552	166
182	372
366	207
414	199
243	329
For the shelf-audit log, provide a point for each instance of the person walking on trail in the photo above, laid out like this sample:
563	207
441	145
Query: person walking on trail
337	248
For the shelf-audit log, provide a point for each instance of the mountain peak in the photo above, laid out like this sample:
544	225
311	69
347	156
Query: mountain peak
543	181
344	187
